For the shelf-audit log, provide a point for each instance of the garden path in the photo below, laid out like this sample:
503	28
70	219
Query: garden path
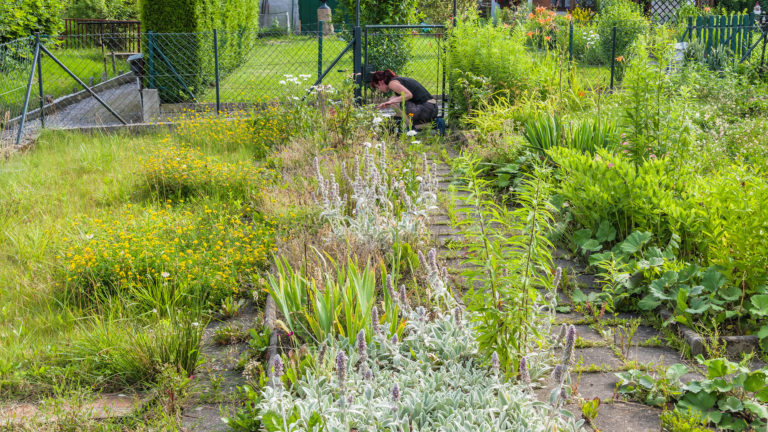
602	348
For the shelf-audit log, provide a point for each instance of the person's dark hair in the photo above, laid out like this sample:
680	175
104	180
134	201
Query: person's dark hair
379	76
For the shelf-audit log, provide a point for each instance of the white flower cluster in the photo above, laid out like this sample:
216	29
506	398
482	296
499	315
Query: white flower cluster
431	380
290	79
592	38
374	217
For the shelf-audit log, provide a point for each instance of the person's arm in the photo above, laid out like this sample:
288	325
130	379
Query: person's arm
403	94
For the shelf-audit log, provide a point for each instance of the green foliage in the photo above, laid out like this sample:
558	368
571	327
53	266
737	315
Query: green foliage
677	420
21	18
511	260
630	23
643	387
731	396
342	307
103	9
495	60
191	54
440	12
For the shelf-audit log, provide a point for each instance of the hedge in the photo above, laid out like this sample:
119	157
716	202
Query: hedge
184	34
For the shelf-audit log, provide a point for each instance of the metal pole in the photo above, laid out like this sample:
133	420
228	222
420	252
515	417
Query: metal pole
357	64
151	61
320	31
365	56
216	69
357	13
570	42
88	89
454	13
40	85
29	91
613	56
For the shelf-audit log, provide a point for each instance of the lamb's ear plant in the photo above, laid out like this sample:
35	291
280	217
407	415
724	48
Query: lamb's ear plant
510	259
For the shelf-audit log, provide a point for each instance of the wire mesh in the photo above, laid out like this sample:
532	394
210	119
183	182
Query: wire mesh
416	52
16	60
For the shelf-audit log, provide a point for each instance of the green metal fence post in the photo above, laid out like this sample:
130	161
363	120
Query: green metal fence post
613	56
570	42
216	69
40	84
29	92
357	65
454	13
151	60
320	31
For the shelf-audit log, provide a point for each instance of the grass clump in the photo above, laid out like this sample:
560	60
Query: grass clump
180	172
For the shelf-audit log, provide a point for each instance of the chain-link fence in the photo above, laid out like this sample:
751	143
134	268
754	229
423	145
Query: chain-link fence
16	59
417	52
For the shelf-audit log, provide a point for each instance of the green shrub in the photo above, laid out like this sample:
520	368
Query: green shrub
103	9
630	23
190	48
485	60
20	18
439	12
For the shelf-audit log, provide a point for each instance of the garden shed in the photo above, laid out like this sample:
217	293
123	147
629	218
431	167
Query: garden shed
308	13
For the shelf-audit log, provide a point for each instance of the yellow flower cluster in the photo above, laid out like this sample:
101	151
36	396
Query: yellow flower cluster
203	130
271	126
257	131
181	172
213	250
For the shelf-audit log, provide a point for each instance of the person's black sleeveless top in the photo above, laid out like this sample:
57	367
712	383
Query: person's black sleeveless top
420	94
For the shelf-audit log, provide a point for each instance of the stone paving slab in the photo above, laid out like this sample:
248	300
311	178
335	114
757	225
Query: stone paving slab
655	355
627	417
598	356
597	385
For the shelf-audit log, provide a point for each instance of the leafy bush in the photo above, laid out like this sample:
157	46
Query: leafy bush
630	23
21	18
103	9
440	12
175	173
498	59
138	251
189	47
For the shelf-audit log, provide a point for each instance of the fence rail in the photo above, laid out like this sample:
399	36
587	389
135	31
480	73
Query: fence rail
124	36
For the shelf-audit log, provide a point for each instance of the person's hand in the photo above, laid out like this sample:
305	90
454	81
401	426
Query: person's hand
383	105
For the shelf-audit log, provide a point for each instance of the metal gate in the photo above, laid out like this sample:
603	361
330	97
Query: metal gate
414	51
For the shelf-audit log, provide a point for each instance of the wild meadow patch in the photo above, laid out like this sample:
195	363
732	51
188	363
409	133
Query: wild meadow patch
181	172
214	250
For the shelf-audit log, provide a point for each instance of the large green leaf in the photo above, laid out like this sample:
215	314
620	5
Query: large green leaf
605	232
591	245
754	381
635	241
649	302
675	371
717	368
730	403
701	401
730	293
582	236
757	409
760	304
712	279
